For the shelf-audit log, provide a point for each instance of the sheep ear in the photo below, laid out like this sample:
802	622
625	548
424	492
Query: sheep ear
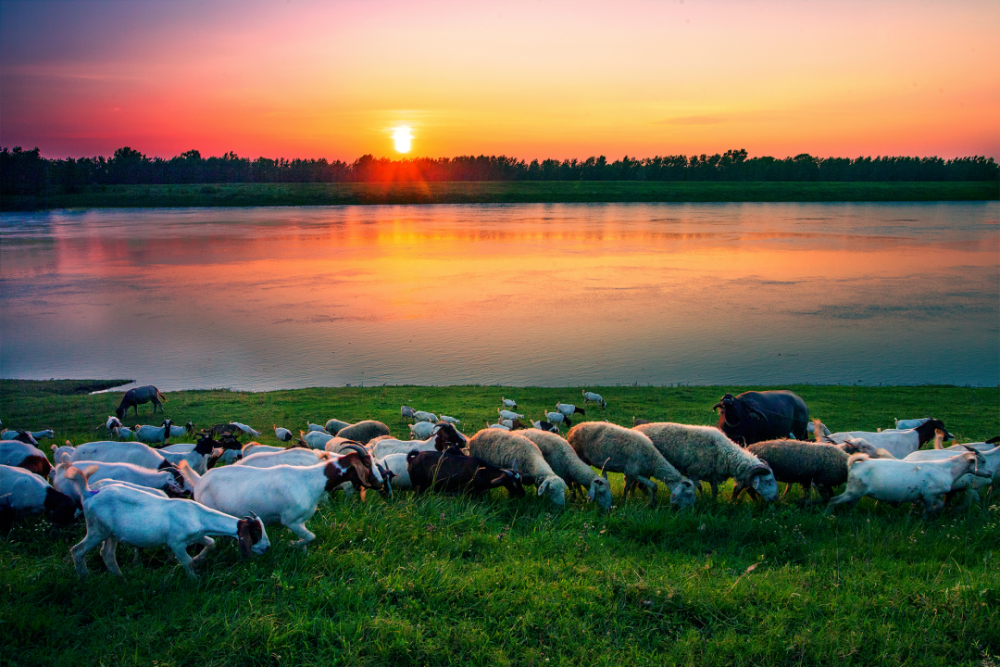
593	492
542	487
755	482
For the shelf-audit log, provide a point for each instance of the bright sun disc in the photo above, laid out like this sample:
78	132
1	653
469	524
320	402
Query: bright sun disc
403	138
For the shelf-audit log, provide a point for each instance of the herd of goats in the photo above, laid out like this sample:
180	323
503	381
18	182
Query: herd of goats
141	490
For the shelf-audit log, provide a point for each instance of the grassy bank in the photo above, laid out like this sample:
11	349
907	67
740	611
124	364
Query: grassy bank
513	192
446	580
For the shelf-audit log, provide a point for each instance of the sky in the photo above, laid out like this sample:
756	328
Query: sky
529	79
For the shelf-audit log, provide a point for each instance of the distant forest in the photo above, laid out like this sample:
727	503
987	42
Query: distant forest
26	172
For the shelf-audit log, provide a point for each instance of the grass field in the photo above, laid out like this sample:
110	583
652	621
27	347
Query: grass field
496	192
444	580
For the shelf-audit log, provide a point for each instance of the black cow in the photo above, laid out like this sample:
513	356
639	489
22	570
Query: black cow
756	416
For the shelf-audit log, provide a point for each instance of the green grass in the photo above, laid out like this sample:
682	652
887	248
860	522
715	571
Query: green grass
443	580
497	192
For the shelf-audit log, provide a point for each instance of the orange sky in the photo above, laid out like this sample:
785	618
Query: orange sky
529	79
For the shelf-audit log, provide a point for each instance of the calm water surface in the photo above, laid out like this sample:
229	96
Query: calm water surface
523	294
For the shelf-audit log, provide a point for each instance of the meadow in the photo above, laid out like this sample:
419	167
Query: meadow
444	580
496	192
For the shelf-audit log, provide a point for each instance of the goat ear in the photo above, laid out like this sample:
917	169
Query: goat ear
89	470
243	537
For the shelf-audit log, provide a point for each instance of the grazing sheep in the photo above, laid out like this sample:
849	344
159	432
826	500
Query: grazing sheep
704	453
423	429
136	396
35	435
545	426
567	465
904	481
334	426
591	397
797	462
282	494
364	431
512	451
639	422
27	493
452	471
17	454
121	514
168	480
558	418
569	410
316	439
282	434
618	449
898	443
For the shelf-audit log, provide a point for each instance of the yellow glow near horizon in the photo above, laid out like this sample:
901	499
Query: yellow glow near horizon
403	138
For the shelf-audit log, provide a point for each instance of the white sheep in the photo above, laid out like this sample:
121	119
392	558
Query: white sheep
423	429
512	451
151	434
557	418
904	481
118	513
591	397
27	493
316	439
283	494
296	456
37	435
704	453
899	443
988	463
618	449
567	465
168	480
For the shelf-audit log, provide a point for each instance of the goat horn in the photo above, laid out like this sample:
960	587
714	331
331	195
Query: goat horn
356	447
605	466
717	405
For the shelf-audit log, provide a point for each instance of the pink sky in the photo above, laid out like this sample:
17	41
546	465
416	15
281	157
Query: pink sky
529	79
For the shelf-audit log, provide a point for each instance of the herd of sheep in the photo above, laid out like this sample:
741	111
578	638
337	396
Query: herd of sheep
179	495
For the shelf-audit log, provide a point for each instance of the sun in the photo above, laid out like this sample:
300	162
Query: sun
403	138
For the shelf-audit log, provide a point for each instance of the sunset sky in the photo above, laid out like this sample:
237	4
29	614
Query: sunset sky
538	78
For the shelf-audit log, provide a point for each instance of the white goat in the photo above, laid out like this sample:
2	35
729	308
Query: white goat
450	420
255	447
988	463
316	439
246	429
591	397
283	494
169	480
509	414
282	434
26	492
310	428
898	443
902	424
123	433
149	434
508	402
119	513
296	456
37	435
422	416
557	418
904	481
423	429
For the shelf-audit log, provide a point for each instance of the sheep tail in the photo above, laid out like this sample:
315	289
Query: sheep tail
855	458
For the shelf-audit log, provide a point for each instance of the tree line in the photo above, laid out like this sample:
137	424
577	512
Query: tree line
27	172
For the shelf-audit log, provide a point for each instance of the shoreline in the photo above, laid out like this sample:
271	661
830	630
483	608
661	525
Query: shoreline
238	195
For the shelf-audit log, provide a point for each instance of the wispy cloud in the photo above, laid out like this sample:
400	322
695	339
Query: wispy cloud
691	120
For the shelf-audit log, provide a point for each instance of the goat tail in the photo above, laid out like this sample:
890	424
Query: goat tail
818	431
855	458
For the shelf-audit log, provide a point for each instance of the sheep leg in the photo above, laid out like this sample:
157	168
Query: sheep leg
715	489
109	556
209	545
180	551
96	534
650	487
299	528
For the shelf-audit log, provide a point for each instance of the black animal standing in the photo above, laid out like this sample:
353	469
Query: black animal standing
756	416
136	396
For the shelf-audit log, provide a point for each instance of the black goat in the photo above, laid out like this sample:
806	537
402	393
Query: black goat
452	470
136	396
755	416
